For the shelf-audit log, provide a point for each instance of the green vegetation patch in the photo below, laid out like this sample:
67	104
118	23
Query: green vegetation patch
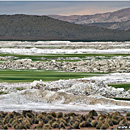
45	75
126	99
19	89
125	86
54	56
2	92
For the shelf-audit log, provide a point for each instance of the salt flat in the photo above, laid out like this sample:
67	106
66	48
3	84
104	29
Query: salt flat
45	96
36	51
65	47
81	94
62	107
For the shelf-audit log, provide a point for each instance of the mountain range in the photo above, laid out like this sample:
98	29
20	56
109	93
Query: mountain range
33	27
119	19
113	25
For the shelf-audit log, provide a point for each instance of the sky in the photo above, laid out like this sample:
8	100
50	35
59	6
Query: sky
61	7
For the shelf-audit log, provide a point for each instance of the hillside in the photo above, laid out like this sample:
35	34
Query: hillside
32	27
115	25
116	16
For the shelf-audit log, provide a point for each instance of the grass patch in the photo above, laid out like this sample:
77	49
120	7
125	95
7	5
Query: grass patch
45	75
19	89
126	99
54	56
2	92
125	86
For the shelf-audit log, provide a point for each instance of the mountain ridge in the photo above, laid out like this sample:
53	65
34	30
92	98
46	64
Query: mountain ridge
118	16
33	27
114	25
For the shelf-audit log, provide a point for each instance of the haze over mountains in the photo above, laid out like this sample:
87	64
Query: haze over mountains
113	20
32	27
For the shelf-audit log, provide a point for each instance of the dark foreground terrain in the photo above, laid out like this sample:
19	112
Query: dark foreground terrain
34	120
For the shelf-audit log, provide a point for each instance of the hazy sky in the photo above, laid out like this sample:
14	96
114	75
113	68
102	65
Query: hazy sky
60	7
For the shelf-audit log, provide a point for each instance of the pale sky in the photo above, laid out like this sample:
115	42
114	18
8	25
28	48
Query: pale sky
61	7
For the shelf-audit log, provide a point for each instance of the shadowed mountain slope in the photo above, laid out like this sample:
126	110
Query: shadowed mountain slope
32	27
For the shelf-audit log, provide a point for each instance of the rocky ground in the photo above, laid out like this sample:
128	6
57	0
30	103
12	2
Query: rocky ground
90	120
93	65
7	57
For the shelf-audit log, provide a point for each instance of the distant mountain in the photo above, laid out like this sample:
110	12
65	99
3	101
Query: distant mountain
32	27
116	16
114	25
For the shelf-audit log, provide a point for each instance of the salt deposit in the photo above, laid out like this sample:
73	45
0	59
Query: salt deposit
36	51
113	78
81	87
65	47
76	92
62	107
45	97
64	44
104	65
